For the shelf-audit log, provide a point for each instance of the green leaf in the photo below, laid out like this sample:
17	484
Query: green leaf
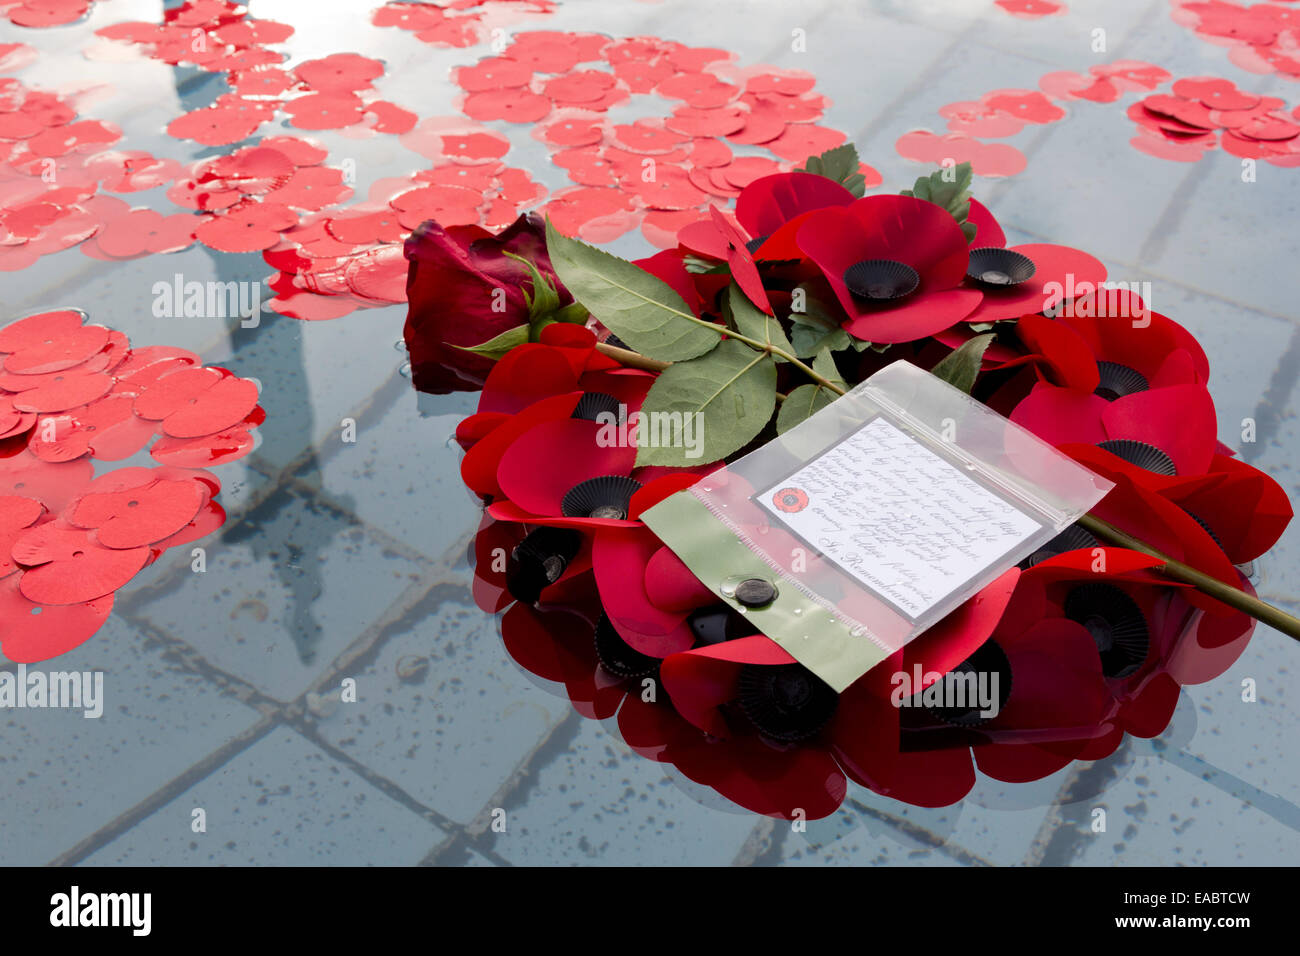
824	365
840	164
543	299
750	321
639	308
496	347
731	391
808	340
815	310
807	400
948	188
962	365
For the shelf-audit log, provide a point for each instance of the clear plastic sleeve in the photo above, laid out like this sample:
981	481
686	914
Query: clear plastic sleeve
850	534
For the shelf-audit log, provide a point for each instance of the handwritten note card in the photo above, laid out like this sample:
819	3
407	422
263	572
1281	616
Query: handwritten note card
900	519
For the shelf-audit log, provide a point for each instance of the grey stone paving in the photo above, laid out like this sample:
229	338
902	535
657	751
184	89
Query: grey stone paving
341	561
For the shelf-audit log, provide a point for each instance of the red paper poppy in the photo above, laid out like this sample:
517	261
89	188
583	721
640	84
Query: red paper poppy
220	125
50	342
126	509
31	632
1059	272
192	402
107	428
65	565
141	232
208	451
340	72
1031	9
768	203
986	159
246	227
333	110
916	234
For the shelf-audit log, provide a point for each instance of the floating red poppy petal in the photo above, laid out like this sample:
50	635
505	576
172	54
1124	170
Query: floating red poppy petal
515	106
170	392
224	404
64	390
206	451
722	121
50	341
68	567
31	632
1149	711
140	516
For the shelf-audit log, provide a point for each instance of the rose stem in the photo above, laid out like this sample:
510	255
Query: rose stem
1206	584
630	358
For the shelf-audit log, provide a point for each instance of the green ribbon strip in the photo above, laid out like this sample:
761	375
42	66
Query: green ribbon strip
809	632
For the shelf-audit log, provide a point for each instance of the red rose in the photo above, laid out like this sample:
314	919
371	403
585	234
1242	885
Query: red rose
463	289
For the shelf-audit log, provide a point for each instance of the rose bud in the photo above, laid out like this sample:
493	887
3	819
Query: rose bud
466	286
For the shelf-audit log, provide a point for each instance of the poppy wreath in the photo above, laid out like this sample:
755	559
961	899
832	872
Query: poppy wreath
73	397
802	289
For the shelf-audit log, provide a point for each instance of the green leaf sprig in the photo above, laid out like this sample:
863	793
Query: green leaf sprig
543	302
840	164
949	188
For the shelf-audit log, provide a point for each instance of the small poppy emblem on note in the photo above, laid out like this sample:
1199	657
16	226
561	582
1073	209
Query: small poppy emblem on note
790	500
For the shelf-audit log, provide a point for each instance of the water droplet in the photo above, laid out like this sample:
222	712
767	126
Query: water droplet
857	631
451	441
969	467
400	345
727	590
798	610
405	370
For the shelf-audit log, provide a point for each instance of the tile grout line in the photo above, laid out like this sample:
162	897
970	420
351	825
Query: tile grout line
917	832
1060	839
392	790
517	784
166	793
1280	387
274	712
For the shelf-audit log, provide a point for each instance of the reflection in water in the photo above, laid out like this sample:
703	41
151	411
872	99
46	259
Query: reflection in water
287	398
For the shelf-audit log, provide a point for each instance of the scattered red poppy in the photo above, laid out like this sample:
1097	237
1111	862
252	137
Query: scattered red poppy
987	159
46	13
71	395
1203	112
1260	37
1031	9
